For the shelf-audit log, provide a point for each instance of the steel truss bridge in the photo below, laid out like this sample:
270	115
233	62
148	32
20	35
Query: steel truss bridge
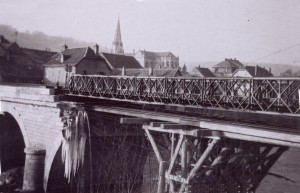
254	94
221	134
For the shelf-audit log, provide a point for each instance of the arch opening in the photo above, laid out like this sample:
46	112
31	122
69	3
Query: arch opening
12	145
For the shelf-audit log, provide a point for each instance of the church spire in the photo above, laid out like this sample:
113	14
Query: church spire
117	43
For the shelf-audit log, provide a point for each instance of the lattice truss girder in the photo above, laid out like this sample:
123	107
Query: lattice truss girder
260	94
197	164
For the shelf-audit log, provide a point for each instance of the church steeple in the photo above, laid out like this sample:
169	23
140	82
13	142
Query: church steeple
117	43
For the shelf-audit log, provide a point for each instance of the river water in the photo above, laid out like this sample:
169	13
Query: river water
288	166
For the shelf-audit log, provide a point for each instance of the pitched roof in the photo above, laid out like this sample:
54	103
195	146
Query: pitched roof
205	72
39	56
229	63
145	72
260	72
72	56
120	61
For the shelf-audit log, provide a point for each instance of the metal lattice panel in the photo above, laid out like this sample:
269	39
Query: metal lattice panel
257	94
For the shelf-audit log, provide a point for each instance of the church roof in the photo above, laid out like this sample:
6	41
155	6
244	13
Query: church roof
157	54
120	61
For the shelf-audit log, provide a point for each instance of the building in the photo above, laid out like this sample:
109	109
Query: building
252	71
21	64
201	72
117	46
117	61
184	69
227	67
157	59
74	61
150	72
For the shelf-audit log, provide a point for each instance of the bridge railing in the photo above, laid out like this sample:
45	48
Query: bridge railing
275	94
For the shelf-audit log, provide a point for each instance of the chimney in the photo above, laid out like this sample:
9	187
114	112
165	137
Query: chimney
65	46
150	71
270	70
123	71
62	58
97	50
255	73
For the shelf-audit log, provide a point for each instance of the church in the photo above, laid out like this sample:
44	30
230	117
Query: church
147	59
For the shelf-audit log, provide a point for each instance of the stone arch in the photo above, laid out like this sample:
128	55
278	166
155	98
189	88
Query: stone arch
13	141
17	116
50	155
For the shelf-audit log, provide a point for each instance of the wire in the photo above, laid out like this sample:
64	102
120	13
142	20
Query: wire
276	52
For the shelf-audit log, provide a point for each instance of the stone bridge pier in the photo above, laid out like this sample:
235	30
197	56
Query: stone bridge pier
30	132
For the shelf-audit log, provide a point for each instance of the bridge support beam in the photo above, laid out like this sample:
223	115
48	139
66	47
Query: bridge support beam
34	169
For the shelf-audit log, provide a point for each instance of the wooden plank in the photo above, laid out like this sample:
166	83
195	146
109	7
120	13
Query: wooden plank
173	126
156	124
195	132
133	121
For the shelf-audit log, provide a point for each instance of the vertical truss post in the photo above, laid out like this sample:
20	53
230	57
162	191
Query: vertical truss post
172	144
161	177
184	158
173	159
199	163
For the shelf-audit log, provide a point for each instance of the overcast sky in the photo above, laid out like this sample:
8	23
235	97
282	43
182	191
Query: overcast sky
195	30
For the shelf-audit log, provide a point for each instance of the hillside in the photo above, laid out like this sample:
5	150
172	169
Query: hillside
42	41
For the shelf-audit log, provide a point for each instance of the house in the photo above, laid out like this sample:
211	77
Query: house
201	72
117	61
227	67
17	65
149	72
252	71
74	61
157	59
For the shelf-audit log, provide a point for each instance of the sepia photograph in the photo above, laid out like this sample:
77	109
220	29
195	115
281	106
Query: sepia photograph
149	96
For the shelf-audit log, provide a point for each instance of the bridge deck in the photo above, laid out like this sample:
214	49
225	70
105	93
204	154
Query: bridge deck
227	128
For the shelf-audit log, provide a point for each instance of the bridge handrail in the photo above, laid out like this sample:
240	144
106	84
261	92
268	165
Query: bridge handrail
272	94
195	78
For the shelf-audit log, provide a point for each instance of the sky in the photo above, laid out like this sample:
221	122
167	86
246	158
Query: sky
194	30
